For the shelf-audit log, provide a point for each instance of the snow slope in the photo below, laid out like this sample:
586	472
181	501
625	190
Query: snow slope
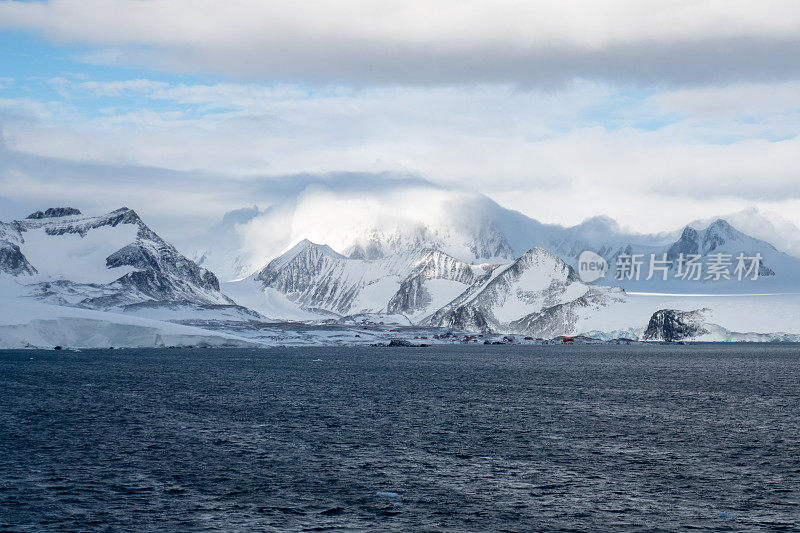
313	282
75	257
59	269
538	294
26	323
778	272
113	260
772	314
475	230
74	280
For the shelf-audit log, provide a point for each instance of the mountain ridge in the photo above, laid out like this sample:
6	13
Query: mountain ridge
141	266
469	227
115	263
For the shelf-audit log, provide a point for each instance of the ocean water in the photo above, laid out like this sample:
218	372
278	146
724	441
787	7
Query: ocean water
482	438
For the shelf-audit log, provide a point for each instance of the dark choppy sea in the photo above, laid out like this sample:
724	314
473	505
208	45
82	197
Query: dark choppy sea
434	439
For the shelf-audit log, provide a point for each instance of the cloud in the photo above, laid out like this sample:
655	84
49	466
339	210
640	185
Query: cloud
44	181
326	206
178	204
251	129
118	88
735	101
654	113
416	42
189	152
374	212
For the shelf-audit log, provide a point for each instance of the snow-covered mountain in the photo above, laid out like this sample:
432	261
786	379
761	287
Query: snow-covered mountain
317	278
111	261
538	294
475	230
777	271
469	227
109	280
313	281
470	266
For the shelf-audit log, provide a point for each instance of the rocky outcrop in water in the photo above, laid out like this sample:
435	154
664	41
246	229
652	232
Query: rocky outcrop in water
672	325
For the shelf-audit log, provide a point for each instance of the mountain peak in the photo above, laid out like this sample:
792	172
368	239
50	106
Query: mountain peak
687	244
124	212
123	215
54	212
689	233
542	260
305	246
720	224
718	234
538	251
722	227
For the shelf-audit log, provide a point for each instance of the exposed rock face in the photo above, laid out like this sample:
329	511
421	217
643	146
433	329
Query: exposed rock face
559	319
320	279
54	212
155	271
464	317
414	293
491	242
673	325
12	261
314	276
719	237
402	343
537	294
687	244
717	234
368	250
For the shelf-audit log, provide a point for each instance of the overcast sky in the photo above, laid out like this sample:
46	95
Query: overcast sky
655	113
